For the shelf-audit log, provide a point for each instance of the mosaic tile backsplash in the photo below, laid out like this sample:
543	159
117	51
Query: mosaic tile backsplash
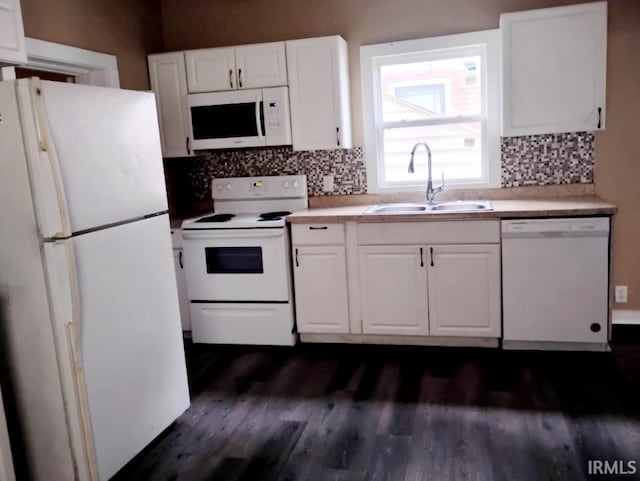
547	159
346	165
528	160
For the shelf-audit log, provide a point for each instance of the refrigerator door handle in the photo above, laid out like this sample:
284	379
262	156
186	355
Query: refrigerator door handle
42	141
49	193
64	297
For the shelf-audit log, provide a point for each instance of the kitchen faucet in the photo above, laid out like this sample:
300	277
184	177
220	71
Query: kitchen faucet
431	192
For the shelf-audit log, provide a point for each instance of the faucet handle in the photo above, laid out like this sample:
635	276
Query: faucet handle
440	188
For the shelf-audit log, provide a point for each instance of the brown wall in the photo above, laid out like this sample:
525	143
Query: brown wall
129	29
208	23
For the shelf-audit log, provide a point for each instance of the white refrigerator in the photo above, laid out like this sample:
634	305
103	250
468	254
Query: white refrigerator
91	317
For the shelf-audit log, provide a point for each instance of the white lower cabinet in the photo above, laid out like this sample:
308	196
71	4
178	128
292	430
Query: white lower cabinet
181	281
393	290
320	280
389	282
182	290
464	290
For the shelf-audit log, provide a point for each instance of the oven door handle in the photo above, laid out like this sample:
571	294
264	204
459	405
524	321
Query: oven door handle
231	234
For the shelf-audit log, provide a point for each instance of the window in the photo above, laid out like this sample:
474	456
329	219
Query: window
443	91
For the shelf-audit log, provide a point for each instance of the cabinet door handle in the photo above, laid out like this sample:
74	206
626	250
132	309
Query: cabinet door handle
338	136
180	260
231	78
324	227
297	263
599	117
240	77
431	253
421	258
188	146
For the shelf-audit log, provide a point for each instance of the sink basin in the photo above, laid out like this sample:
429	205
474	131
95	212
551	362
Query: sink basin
457	206
396	209
461	206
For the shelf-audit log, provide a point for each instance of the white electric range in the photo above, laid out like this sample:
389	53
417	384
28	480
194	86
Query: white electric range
238	263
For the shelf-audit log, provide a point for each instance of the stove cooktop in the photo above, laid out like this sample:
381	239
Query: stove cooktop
237	221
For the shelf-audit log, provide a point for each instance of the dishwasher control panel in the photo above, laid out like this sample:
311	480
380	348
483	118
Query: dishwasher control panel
574	226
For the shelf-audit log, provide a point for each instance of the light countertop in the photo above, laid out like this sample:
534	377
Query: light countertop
520	208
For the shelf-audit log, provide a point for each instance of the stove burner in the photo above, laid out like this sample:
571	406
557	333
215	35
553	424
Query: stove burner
274	215
217	218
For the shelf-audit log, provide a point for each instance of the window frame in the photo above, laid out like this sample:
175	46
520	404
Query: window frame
485	43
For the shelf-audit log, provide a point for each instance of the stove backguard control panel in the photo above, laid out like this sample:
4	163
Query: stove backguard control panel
270	187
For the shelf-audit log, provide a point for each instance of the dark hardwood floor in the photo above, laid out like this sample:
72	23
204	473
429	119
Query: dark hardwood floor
326	412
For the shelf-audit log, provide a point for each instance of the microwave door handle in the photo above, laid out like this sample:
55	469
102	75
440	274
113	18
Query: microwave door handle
258	123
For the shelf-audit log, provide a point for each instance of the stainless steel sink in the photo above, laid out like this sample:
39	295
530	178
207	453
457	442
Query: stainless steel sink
396	209
462	206
457	206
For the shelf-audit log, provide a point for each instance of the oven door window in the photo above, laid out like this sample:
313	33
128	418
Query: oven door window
234	260
226	121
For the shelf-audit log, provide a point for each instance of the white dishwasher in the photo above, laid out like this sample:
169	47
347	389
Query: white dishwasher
555	283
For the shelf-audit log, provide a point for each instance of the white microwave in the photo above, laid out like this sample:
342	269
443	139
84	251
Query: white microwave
239	118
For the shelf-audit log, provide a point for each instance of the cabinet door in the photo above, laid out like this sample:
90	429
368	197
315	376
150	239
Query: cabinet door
182	290
554	69
169	83
320	280
319	93
12	46
211	69
261	65
393	290
464	290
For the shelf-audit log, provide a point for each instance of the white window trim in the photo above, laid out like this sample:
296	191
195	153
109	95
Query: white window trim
370	59
89	67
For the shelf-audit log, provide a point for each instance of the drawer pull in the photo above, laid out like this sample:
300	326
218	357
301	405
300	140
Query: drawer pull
421	258
297	263
431	252
324	227
180	260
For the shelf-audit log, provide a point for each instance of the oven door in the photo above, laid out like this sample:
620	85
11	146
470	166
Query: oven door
221	120
236	265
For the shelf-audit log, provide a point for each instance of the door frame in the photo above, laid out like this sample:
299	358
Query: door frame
89	67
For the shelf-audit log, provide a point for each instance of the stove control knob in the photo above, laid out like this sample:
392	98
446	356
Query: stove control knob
219	187
228	186
285	184
295	184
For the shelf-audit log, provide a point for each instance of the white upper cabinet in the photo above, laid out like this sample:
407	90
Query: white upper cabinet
464	290
261	65
12	45
169	83
319	93
231	68
211	69
554	69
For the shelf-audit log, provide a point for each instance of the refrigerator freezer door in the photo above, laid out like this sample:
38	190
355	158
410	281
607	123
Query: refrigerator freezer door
129	337
105	148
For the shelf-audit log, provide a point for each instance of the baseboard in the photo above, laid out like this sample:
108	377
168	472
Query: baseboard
625	317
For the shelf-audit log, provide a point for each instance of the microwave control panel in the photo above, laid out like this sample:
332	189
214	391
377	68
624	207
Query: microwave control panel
276	115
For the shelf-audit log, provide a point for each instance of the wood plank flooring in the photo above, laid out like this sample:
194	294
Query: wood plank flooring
325	412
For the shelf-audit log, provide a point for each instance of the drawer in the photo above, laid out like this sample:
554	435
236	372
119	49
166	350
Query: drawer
317	234
445	232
